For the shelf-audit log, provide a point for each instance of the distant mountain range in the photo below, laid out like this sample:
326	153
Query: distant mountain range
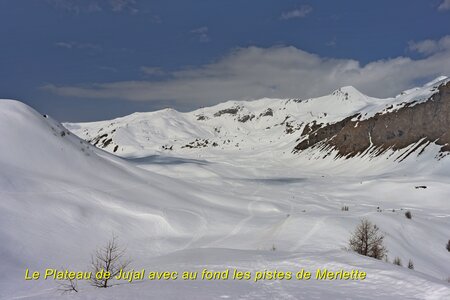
343	124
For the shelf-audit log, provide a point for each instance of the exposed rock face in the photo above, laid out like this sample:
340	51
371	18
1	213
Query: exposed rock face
246	118
230	111
267	112
427	122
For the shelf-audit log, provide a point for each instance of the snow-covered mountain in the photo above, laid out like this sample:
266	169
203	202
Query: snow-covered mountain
345	123
225	187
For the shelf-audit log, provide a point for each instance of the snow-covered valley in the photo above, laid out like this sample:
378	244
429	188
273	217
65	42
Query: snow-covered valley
237	198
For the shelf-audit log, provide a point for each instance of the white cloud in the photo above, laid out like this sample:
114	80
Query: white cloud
201	33
75	45
200	30
302	12
445	5
152	70
119	5
332	42
90	6
64	45
155	19
109	69
430	46
281	72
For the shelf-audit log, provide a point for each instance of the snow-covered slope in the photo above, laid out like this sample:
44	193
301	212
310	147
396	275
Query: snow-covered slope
206	207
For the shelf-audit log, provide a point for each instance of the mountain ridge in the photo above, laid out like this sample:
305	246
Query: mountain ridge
284	126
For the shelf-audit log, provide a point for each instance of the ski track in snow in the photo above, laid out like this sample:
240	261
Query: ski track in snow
200	232
240	224
318	224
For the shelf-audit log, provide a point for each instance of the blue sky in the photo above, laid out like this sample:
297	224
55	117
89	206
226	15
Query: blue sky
81	60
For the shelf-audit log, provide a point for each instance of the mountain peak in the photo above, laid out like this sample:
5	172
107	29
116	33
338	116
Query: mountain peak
348	92
350	89
437	80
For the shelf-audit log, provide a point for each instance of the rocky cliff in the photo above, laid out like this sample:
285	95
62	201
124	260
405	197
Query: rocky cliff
419	124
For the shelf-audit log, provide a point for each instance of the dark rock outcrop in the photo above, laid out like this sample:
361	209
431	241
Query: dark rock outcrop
246	118
230	111
426	122
267	112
